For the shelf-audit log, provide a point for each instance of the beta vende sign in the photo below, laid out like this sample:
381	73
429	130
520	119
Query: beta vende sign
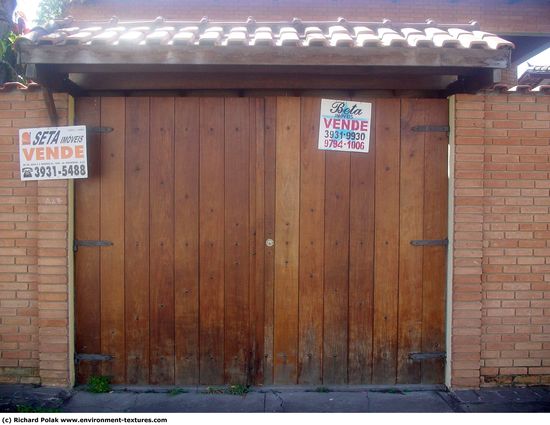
344	125
52	153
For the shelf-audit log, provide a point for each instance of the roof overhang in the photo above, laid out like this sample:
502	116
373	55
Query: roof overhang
98	66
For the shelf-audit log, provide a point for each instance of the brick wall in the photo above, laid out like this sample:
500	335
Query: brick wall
493	15
34	320
501	285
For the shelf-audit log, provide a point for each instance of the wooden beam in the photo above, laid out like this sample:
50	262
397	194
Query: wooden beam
55	81
193	81
50	105
151	69
260	55
483	79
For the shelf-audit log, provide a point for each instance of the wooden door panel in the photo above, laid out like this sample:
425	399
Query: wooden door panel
87	227
186	249
269	233
287	230
161	240
361	262
386	244
136	240
336	267
237	249
312	242
112	229
435	227
212	240
411	220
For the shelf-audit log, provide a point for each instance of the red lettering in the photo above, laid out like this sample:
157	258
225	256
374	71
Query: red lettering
79	151
66	152
28	153
328	122
52	153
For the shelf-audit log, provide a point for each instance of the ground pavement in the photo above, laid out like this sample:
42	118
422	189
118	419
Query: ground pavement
274	399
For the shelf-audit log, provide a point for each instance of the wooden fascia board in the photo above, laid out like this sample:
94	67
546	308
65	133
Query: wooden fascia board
193	81
263	56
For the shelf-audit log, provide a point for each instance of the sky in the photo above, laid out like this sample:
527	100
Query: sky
30	7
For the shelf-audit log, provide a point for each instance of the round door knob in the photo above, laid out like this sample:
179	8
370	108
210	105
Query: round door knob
269	242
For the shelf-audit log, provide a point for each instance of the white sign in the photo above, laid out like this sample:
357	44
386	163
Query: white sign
52	153
344	125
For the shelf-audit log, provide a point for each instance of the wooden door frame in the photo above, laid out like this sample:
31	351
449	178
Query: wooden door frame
450	246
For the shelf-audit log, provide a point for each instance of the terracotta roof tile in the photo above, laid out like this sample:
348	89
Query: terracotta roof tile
368	40
13	85
520	89
131	38
339	33
416	38
183	38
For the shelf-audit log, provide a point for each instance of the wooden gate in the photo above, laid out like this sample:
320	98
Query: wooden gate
188	191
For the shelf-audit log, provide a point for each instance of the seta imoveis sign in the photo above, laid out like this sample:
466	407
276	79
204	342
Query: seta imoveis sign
344	125
52	153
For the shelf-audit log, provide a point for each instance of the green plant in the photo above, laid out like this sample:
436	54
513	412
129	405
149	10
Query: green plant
99	384
238	389
10	70
30	409
177	391
322	390
52	9
214	390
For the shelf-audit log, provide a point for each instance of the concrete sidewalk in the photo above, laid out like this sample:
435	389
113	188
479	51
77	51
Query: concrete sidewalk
277	399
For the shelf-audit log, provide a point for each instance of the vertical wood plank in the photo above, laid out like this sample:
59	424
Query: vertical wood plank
336	291
162	240
186	248
87	219
257	297
410	257
136	235
269	233
287	223
112	229
237	253
386	243
435	227
312	208
361	261
211	212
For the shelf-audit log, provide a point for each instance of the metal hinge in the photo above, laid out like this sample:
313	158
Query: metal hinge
78	243
432	128
101	130
418	357
430	242
79	357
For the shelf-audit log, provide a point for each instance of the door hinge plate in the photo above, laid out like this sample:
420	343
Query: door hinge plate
78	243
418	357
431	128
430	242
101	130
79	357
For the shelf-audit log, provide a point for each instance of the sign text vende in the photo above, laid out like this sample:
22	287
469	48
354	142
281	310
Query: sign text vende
344	125
53	153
